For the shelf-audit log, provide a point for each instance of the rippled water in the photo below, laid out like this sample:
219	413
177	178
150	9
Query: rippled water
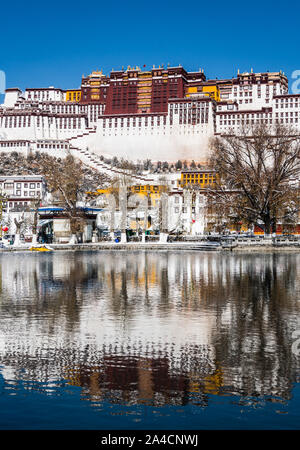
111	340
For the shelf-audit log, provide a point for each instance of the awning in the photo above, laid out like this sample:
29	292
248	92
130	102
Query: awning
50	209
82	208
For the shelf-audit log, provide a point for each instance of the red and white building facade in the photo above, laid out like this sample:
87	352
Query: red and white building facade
138	114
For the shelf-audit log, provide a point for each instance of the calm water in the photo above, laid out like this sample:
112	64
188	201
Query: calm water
112	340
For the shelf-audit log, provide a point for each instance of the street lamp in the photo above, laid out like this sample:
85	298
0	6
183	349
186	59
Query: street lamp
3	200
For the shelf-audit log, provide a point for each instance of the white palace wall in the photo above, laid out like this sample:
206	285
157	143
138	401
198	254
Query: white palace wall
183	132
162	147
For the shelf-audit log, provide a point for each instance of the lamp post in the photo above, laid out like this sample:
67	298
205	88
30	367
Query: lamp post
3	199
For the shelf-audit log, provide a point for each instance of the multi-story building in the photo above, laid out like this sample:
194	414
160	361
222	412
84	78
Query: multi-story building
21	190
198	177
165	113
134	91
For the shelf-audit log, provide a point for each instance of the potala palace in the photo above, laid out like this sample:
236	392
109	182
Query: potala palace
164	114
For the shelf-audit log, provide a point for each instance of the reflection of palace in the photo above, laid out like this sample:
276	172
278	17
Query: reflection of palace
151	327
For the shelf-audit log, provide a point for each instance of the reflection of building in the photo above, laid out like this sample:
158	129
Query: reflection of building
145	379
160	328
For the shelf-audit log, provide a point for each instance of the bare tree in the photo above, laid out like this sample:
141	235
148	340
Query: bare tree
22	225
178	165
19	223
257	170
70	181
35	204
163	212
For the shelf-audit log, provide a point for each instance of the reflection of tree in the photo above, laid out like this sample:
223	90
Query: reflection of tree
57	297
254	342
164	281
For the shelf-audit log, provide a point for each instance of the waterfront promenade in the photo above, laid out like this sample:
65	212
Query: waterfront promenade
238	244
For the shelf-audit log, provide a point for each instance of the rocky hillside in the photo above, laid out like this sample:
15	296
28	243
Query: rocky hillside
16	164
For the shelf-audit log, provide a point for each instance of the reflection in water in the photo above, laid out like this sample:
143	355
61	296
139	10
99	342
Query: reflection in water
161	328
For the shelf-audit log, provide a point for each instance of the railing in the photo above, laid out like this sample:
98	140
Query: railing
262	240
150	238
225	241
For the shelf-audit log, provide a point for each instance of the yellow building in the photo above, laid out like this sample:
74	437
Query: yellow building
200	177
73	95
147	189
211	91
153	191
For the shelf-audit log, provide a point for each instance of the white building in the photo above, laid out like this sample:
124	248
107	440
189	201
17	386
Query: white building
21	190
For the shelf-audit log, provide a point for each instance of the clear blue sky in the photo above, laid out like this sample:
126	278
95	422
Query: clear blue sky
55	42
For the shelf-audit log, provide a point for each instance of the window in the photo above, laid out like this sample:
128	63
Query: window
32	185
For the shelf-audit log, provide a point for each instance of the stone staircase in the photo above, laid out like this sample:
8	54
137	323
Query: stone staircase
91	159
89	132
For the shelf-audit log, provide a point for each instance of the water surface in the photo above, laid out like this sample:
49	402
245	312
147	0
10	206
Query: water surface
186	340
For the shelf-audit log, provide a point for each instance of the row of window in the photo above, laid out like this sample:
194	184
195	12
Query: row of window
13	144
158	131
45	95
14	121
18	185
266	121
291	114
257	115
132	121
197	176
188	105
185	210
17	204
25	121
240	115
52	146
202	119
25	194
287	105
